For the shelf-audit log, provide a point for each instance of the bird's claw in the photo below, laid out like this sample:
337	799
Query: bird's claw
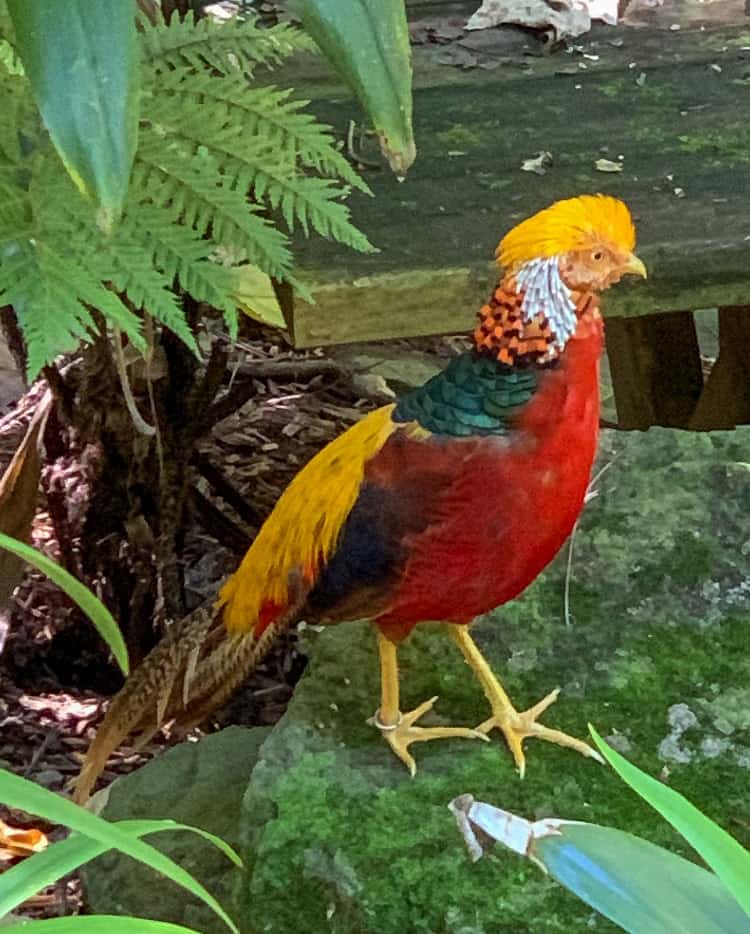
516	727
401	734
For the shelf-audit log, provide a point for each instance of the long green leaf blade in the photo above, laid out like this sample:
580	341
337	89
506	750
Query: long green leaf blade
19	793
642	887
78	593
42	869
102	924
722	852
81	59
367	42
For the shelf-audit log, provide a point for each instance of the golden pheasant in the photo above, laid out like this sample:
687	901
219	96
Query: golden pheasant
438	508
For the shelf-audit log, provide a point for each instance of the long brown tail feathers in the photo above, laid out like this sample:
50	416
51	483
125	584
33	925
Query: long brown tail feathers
187	676
192	672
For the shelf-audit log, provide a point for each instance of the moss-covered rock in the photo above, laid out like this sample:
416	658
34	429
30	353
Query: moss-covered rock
200	784
338	838
339	835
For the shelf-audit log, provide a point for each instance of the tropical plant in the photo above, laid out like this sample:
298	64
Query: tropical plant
207	138
643	888
226	167
93	836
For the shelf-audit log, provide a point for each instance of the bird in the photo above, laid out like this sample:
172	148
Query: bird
439	507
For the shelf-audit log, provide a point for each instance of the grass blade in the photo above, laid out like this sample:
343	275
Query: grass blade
17	792
78	593
642	887
102	924
24	879
722	852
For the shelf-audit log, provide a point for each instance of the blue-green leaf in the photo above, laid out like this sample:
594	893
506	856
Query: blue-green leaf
367	42
728	859
81	59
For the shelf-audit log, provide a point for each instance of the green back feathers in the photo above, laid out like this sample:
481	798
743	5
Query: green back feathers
474	395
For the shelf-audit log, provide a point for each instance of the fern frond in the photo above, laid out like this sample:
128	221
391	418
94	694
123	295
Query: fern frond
41	289
266	161
169	178
130	271
183	256
267	114
226	47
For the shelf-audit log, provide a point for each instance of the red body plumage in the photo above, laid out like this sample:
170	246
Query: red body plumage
510	505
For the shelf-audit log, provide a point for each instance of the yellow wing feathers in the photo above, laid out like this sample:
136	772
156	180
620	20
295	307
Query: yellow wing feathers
303	529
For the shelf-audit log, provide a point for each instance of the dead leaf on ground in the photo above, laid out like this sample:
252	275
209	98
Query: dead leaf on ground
19	487
255	295
538	163
15	842
606	165
565	18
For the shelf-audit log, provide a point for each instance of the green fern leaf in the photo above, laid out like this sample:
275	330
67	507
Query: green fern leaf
269	168
171	179
257	115
37	284
147	289
183	256
221	46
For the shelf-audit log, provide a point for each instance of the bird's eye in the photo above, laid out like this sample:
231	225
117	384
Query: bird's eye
597	255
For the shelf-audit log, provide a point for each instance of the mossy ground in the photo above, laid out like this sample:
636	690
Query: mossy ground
338	838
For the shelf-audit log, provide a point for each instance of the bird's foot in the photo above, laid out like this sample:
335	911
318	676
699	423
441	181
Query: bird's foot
517	727
403	733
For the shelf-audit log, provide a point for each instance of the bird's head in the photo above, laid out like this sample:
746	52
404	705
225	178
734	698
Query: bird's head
591	238
556	258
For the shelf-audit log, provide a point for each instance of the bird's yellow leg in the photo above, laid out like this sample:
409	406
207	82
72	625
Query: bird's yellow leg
516	727
398	728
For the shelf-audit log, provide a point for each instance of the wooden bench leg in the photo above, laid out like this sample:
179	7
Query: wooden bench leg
725	401
656	369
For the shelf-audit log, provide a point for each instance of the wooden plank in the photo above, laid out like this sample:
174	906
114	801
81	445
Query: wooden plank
656	369
683	128
725	401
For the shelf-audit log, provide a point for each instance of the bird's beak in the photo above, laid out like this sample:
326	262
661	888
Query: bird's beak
635	267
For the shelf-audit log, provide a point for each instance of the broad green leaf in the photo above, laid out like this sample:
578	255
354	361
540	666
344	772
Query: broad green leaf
78	593
101	924
641	887
722	853
36	872
81	59
367	41
255	295
17	792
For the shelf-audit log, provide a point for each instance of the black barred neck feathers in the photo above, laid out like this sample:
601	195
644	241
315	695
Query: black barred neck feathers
530	318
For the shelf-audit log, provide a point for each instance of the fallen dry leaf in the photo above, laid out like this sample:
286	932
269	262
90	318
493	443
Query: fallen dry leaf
15	842
19	487
606	165
538	163
565	18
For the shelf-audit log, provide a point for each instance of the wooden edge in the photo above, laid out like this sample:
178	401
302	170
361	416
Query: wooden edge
422	302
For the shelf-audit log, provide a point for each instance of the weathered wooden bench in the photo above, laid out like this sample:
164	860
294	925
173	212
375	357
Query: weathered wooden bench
670	107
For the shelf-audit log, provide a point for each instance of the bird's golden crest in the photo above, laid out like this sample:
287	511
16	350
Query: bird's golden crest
566	226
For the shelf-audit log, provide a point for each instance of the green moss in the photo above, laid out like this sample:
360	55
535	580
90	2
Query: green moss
459	136
366	849
731	142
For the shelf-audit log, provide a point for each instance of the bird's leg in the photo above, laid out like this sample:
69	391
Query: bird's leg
515	726
398	728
